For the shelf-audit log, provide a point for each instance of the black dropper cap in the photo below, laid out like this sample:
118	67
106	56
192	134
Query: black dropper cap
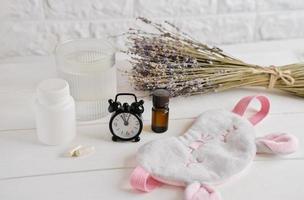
160	98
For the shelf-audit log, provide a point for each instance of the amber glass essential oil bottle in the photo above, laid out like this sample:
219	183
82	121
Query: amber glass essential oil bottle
160	110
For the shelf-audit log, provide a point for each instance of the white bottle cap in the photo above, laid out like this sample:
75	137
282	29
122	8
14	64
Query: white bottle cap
53	91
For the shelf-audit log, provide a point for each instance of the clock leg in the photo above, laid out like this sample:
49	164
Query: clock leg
114	138
137	139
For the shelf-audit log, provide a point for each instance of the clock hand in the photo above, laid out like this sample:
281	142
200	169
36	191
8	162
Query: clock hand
128	118
123	118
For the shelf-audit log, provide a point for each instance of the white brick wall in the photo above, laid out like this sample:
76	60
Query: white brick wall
33	27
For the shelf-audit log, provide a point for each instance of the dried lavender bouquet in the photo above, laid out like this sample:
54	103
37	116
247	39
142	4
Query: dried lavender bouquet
173	60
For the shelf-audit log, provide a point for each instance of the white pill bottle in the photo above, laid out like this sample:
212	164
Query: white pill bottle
55	112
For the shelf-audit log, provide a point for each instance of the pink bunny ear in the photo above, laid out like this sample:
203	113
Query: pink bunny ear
196	191
277	144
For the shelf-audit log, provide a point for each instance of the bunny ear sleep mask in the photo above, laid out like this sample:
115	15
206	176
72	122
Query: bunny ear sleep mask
219	145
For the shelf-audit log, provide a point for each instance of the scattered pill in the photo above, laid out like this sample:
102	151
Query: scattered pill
81	151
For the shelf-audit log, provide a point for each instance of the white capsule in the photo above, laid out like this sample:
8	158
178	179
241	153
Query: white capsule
81	151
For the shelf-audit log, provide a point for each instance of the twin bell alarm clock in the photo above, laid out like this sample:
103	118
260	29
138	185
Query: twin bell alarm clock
126	123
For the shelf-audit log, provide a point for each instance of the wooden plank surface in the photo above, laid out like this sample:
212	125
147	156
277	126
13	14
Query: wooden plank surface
266	180
20	149
29	170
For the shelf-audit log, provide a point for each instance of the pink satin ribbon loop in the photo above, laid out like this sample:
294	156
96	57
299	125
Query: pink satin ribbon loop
243	104
141	180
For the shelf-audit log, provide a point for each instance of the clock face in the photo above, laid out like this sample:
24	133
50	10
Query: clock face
126	125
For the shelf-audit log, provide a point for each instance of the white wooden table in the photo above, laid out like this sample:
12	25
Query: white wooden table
30	170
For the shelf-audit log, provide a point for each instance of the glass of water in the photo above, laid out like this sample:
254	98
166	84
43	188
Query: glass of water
88	66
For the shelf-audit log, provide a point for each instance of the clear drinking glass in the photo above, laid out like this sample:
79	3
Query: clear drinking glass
88	66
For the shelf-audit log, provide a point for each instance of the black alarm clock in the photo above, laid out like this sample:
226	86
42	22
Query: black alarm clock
126	123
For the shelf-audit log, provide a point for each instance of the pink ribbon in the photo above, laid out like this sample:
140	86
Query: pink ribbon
141	180
242	105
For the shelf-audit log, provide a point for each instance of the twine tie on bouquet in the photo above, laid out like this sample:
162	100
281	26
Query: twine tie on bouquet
276	73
